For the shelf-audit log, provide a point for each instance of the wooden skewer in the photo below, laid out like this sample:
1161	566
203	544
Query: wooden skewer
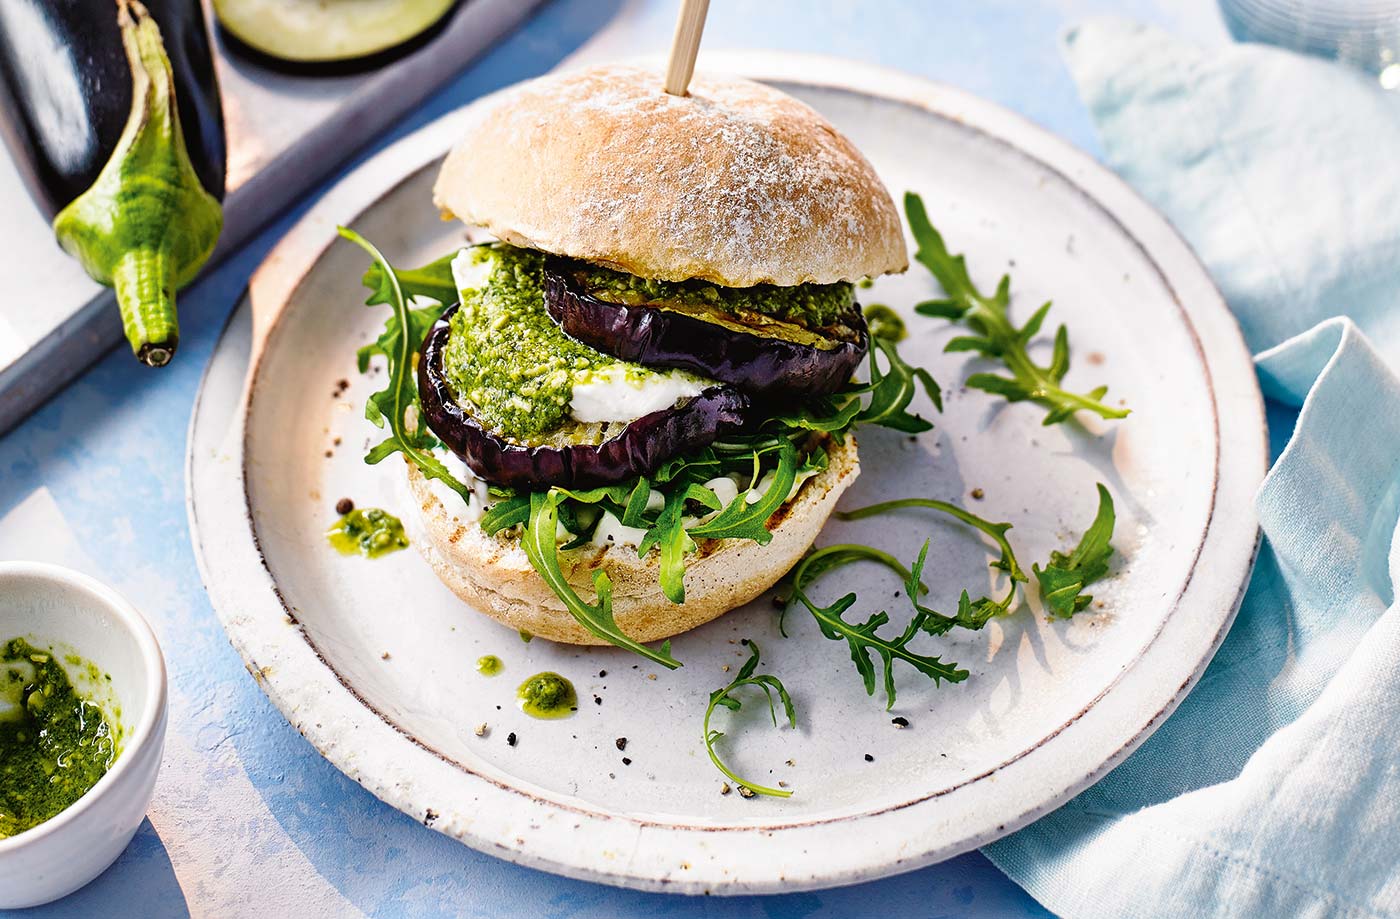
689	27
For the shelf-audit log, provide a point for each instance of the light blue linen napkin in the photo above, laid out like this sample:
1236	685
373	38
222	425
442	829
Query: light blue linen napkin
1274	790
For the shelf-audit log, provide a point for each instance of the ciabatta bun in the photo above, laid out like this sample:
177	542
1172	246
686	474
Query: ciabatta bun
736	183
493	576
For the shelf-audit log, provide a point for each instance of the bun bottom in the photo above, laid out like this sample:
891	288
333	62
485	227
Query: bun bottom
493	576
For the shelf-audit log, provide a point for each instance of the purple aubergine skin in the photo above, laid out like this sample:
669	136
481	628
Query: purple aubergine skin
770	369
641	447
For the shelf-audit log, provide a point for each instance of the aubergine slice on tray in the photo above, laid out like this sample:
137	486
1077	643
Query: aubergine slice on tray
636	448
111	109
766	357
317	32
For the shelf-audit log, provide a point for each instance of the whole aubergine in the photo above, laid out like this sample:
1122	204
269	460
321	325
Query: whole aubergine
111	110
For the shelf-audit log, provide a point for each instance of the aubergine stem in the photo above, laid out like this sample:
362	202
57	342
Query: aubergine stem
146	226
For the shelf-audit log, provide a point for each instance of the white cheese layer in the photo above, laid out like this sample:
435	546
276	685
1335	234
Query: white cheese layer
621	393
481	498
613	532
471	269
760	491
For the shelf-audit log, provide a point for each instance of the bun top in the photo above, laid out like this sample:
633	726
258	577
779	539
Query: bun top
736	183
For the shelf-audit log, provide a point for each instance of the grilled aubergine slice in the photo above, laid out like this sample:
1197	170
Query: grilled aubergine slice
314	35
767	357
600	457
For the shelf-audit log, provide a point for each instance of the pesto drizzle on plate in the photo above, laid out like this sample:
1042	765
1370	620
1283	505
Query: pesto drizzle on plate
885	322
368	531
547	695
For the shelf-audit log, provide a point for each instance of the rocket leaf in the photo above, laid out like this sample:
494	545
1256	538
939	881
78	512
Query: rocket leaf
993	334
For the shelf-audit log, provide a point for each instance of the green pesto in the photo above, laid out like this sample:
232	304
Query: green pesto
489	665
54	744
368	531
547	695
884	322
507	361
812	305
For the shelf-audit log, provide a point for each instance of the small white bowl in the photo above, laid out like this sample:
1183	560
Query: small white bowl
54	607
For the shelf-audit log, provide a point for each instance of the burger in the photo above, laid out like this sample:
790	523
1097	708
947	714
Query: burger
635	403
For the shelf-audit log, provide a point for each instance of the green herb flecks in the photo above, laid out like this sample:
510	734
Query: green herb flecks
1063	580
771	687
403	334
994	336
863	638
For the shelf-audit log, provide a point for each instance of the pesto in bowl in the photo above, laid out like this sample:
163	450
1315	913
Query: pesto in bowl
55	741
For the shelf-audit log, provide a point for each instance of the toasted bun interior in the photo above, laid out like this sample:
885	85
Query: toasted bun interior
493	576
736	183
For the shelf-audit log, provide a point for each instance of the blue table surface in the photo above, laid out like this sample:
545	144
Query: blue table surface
248	819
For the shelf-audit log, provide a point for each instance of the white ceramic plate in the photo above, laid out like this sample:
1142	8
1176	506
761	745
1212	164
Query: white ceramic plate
373	661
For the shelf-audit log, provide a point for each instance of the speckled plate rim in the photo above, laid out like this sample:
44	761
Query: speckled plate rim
535	830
